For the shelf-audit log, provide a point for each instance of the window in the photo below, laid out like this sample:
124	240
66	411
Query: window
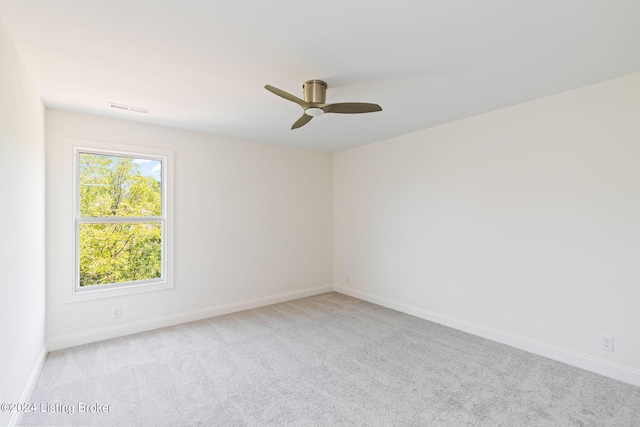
122	222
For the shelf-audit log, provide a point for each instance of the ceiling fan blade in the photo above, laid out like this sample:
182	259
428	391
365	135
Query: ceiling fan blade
286	95
301	121
351	108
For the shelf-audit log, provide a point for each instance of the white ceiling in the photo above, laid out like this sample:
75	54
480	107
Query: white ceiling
202	64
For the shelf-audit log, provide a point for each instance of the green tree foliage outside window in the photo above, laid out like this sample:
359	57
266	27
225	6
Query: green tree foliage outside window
120	224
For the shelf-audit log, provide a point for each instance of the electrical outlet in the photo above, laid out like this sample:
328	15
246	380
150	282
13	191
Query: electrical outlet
606	342
346	279
115	312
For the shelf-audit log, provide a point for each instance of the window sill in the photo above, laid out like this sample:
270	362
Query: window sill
95	292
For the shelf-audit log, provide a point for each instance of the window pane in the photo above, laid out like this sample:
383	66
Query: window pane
119	186
120	252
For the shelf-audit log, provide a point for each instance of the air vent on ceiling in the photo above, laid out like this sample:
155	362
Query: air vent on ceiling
128	108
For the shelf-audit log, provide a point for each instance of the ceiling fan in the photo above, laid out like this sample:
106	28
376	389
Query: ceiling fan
315	92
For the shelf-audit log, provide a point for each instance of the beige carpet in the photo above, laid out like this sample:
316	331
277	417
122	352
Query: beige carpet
328	360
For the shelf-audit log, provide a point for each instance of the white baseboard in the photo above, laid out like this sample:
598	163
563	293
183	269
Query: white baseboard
609	369
57	343
31	383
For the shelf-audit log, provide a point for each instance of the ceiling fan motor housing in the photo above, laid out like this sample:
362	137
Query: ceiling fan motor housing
315	91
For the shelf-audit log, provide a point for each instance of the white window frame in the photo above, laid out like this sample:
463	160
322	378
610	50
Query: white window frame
73	148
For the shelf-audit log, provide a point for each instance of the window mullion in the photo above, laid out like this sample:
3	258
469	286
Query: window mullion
118	219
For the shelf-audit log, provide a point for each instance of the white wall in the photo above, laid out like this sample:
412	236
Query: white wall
522	225
253	224
22	198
